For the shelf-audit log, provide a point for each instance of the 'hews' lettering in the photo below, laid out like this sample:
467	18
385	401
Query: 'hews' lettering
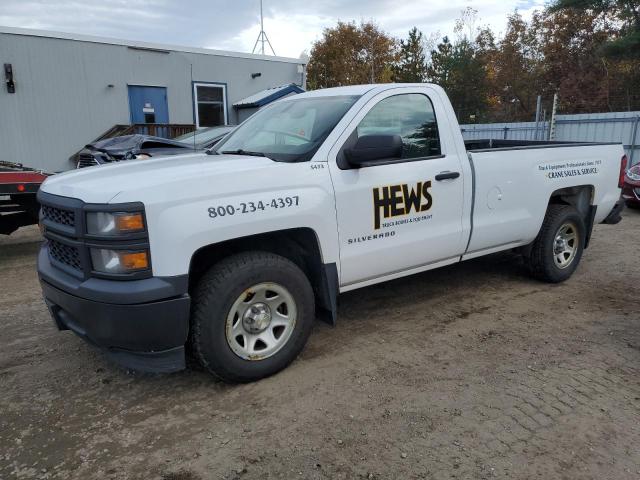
398	200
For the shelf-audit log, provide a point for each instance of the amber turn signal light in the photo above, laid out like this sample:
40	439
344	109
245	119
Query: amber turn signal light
129	222
134	261
109	261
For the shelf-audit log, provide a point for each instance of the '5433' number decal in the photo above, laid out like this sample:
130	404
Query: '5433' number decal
250	207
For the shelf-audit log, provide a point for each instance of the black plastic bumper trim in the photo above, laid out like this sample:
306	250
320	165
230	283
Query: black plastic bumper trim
111	291
144	327
615	214
163	361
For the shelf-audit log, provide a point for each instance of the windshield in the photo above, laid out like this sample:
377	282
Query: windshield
204	135
288	131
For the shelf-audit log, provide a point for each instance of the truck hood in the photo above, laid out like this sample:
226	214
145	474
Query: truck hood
102	184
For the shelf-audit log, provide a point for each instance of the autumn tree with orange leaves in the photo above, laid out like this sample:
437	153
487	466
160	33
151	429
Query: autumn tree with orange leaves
564	49
352	54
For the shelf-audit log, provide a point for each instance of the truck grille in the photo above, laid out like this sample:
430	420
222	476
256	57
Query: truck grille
86	160
59	215
68	244
65	254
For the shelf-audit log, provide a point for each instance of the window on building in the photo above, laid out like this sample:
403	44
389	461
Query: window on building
409	115
210	104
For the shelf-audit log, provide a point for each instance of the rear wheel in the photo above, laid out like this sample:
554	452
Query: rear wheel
557	250
252	315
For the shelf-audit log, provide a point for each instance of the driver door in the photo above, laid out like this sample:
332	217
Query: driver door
398	214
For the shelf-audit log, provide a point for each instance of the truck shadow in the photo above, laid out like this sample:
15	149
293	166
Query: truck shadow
458	290
445	295
469	276
364	309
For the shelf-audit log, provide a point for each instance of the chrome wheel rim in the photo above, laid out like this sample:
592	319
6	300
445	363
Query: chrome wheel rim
565	245
261	321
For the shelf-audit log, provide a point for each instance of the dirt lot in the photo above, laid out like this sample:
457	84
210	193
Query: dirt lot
473	371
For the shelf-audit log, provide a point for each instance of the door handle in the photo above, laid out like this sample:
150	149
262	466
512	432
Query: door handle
447	176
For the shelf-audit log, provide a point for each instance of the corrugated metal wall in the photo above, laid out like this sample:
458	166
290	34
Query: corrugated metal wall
506	131
623	127
68	92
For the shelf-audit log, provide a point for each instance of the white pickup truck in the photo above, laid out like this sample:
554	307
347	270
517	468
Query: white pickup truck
232	253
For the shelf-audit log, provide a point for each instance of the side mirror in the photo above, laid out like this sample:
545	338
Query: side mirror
369	149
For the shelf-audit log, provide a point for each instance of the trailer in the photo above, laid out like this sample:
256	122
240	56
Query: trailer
18	188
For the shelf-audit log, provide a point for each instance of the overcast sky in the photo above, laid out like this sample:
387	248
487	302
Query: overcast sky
291	25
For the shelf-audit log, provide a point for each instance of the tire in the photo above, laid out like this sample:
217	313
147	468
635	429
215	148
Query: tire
234	300
545	261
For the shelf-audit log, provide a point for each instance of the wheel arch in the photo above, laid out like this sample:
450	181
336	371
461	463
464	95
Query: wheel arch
299	245
581	197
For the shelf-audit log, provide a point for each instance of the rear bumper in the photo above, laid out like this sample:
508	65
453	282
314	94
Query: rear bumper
631	194
148	335
615	214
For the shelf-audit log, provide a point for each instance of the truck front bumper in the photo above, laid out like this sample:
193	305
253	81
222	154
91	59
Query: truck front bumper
140	324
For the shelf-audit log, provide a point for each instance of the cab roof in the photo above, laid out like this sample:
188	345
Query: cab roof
357	90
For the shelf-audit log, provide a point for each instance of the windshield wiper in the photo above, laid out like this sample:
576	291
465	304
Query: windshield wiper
243	152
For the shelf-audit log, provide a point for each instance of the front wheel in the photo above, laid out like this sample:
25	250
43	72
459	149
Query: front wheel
557	250
252	315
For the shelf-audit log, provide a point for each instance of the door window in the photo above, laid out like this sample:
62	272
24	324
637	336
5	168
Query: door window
210	105
409	115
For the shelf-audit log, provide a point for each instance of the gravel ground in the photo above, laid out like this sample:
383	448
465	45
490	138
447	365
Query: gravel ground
473	371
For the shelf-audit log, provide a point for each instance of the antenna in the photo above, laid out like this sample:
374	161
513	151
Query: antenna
262	36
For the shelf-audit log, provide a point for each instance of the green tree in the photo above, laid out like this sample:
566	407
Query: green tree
584	50
626	42
461	72
351	54
515	79
412	67
571	63
486	53
441	64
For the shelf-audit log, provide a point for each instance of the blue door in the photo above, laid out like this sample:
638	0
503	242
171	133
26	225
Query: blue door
148	104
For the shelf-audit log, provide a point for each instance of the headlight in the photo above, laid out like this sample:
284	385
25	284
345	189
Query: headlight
634	174
142	156
119	261
117	223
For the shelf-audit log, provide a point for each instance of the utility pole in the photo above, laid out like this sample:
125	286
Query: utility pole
372	71
262	36
538	112
552	126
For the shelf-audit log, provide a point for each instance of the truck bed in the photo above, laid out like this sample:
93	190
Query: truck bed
511	177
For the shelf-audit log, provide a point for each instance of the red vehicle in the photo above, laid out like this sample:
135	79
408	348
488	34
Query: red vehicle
18	188
631	189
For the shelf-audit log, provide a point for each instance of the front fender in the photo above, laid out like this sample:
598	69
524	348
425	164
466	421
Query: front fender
287	196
